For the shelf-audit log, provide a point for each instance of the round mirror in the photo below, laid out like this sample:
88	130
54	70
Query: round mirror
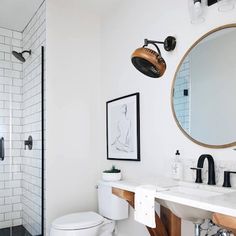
204	90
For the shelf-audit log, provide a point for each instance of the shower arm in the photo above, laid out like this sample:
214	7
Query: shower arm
28	51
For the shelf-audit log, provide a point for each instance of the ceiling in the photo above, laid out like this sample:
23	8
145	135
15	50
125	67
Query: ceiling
15	14
100	6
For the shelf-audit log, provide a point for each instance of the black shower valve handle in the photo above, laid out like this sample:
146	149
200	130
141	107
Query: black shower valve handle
227	182
198	174
29	143
2	149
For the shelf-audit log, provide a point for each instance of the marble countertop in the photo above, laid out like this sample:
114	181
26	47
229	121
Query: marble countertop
224	203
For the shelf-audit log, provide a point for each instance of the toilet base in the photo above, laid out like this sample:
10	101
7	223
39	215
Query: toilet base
107	228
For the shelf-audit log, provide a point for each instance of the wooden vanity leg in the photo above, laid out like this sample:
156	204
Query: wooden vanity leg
160	230
224	221
171	222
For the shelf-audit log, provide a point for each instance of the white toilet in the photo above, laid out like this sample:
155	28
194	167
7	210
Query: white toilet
110	207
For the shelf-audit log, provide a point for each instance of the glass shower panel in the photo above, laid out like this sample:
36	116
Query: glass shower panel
21	205
32	129
10	135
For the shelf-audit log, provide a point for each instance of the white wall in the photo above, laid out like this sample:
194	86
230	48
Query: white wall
72	155
123	30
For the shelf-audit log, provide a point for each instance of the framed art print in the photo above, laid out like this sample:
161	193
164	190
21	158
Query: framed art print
123	128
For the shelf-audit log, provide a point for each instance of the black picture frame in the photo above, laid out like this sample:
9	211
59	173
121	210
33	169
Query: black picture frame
123	128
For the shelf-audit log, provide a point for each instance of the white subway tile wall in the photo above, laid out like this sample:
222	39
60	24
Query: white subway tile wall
34	36
181	101
20	116
10	129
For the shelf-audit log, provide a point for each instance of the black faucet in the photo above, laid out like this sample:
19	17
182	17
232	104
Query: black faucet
211	167
227	178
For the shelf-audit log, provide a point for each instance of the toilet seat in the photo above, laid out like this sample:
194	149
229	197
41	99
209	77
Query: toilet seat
76	221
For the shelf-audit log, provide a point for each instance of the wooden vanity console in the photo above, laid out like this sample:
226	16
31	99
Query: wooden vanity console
166	225
224	221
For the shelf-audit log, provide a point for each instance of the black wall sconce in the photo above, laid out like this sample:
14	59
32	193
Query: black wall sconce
149	61
208	2
197	8
211	2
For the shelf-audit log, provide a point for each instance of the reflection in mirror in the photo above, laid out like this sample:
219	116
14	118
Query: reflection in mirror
204	90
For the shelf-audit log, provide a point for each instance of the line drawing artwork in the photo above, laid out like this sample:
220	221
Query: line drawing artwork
123	137
122	128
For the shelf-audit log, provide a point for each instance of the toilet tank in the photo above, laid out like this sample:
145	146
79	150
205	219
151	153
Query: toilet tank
109	205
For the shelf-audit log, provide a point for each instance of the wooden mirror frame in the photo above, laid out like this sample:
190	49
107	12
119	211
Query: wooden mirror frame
173	85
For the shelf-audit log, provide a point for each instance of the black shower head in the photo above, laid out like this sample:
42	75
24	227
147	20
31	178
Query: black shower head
19	55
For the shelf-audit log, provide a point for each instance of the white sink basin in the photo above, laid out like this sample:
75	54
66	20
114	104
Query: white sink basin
195	192
179	198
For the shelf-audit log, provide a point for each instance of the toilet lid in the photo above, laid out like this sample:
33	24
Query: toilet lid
81	220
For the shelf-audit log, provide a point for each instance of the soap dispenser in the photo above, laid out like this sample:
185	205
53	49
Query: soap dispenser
177	167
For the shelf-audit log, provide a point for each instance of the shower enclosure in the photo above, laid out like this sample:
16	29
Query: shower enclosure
21	128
